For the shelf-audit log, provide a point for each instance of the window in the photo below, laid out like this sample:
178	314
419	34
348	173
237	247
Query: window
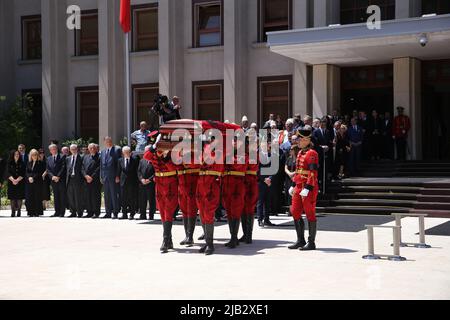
208	22
88	113
35	104
378	76
143	97
31	38
274	97
274	15
86	39
355	11
145	28
435	6
208	100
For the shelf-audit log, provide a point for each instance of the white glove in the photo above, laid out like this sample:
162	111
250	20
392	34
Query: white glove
304	193
291	191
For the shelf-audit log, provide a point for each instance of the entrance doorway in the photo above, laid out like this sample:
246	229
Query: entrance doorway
436	110
367	88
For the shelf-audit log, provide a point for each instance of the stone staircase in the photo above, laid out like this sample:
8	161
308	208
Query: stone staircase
411	187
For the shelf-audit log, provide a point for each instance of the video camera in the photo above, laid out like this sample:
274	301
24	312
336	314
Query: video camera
158	103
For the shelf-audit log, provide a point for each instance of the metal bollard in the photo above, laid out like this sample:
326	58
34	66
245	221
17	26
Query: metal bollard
396	239
398	222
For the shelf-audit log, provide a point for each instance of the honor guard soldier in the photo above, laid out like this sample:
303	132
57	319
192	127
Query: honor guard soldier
188	174
304	196
208	192
251	193
233	190
402	125
166	190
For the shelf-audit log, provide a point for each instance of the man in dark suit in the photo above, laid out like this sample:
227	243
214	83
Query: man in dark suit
56	170
108	174
355	136
127	172
74	182
323	143
264	186
92	186
146	174
387	137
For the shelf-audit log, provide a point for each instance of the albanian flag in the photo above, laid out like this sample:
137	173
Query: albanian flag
125	15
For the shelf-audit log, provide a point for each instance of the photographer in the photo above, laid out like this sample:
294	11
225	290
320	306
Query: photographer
165	110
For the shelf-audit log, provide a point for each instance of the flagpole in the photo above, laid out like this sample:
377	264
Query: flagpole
128	86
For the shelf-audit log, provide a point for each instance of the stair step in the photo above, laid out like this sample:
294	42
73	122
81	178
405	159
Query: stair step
433	198
383	188
378	195
380	210
432	206
435	191
374	202
433	213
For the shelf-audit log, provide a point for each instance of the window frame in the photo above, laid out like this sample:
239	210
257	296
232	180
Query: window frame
78	91
24	20
273	79
195	22
135	89
261	19
438	4
134	29
210	83
77	42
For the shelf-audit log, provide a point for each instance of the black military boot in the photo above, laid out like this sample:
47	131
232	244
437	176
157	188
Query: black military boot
209	238
202	237
170	235
191	228
250	222
203	248
244	221
185	223
300	229
234	242
230	227
167	226
311	245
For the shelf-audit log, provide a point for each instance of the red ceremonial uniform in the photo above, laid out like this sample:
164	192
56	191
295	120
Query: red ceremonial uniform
188	175
251	188
233	188
402	125
166	181
306	178
208	188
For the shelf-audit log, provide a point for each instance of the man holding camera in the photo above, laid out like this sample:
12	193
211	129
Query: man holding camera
167	111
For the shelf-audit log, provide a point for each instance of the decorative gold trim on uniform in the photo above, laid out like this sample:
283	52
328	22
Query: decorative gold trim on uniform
188	171
165	174
302	171
234	173
210	173
252	173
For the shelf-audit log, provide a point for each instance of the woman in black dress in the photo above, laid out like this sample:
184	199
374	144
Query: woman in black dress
35	170
342	150
16	173
46	178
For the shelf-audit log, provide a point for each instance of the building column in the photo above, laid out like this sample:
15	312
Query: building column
408	8
301	92
235	58
54	71
171	44
408	94
326	12
326	89
111	68
7	61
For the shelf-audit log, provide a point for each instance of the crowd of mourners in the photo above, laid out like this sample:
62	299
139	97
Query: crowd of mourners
77	175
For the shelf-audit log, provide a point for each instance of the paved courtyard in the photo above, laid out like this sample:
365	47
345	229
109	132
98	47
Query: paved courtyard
48	258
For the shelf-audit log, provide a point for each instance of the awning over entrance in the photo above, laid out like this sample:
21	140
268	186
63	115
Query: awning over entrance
356	44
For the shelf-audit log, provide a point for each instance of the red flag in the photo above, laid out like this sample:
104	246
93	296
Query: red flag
125	15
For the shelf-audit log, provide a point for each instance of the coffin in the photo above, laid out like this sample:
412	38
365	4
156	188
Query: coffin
192	126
